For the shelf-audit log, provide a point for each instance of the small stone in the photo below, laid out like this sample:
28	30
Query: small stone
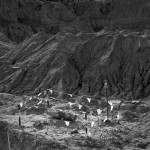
75	131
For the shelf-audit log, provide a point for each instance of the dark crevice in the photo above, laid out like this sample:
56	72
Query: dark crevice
106	9
97	29
19	4
13	62
38	8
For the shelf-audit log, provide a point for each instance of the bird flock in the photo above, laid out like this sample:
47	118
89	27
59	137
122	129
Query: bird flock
99	111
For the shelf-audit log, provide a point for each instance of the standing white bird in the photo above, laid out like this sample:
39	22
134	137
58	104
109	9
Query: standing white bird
30	98
67	123
105	119
80	106
89	100
118	116
39	102
92	124
70	95
39	94
51	91
70	104
99	111
89	133
21	104
112	105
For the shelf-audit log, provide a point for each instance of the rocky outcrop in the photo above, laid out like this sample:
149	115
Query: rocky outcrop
118	14
79	62
62	115
21	19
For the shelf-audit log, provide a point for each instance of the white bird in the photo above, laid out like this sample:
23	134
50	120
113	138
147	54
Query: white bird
89	133
39	102
52	98
80	106
99	111
70	95
89	100
105	119
118	116
70	104
36	106
21	104
39	94
67	123
30	98
92	124
51	91
112	106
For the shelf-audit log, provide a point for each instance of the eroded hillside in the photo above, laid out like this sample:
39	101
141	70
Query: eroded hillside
20	19
55	58
78	63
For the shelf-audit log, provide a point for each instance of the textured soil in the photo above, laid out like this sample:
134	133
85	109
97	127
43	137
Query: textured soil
41	131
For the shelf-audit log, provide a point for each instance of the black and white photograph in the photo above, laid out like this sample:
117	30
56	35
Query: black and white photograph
74	74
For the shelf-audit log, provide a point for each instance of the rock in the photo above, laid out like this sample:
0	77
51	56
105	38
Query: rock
62	115
143	108
36	110
32	102
142	145
130	116
107	123
38	125
74	131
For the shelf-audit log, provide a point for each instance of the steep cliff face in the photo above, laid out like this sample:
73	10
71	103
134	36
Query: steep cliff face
79	62
118	14
23	18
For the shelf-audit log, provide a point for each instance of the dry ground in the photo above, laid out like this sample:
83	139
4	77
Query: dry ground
133	132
